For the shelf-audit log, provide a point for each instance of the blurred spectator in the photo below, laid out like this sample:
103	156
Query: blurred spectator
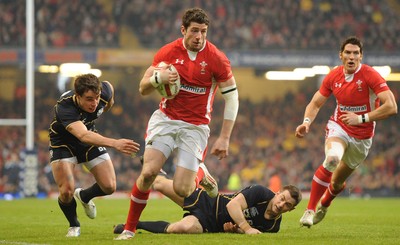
234	180
275	182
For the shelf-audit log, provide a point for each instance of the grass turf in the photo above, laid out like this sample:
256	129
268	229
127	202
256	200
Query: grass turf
349	221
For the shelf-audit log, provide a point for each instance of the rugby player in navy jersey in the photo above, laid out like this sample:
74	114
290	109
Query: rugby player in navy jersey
253	210
74	140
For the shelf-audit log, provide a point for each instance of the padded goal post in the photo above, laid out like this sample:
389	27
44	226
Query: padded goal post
29	173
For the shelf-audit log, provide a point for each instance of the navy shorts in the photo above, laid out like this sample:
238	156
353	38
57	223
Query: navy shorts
83	154
203	207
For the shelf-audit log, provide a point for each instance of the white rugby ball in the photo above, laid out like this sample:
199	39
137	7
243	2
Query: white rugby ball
169	91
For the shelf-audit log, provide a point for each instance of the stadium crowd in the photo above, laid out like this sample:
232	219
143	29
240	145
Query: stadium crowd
58	24
275	24
263	147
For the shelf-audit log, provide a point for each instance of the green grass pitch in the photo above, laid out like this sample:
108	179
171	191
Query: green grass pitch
349	221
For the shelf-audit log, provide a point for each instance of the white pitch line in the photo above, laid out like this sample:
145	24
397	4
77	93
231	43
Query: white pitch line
20	243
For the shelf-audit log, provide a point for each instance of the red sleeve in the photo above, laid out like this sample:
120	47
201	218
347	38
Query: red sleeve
326	86
376	82
223	67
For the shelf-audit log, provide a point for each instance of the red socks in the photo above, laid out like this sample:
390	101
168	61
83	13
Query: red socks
320	183
330	194
199	177
137	204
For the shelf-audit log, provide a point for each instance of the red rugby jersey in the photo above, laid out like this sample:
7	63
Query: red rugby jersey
193	103
357	93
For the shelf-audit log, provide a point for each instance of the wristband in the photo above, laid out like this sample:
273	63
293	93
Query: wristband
364	118
155	80
307	120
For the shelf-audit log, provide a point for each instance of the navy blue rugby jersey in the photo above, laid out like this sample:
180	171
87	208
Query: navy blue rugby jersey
257	198
67	111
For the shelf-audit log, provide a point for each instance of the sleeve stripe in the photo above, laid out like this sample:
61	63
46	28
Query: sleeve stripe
228	91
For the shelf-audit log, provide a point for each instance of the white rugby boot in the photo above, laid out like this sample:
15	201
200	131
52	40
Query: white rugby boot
125	235
74	231
90	207
307	218
208	182
320	214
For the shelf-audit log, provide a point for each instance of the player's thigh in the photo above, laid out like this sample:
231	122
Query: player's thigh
63	172
189	224
184	181
165	186
104	174
153	161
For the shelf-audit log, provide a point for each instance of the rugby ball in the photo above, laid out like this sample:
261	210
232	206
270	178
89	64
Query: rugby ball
169	91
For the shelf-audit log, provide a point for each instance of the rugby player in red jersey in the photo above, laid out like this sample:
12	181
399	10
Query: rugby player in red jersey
180	124
362	98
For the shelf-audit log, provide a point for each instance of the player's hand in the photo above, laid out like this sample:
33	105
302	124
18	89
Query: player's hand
302	130
232	228
252	231
127	146
349	118
220	148
167	76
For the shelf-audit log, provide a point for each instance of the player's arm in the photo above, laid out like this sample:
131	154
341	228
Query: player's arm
79	130
387	108
235	209
231	96
310	114
153	78
111	102
145	87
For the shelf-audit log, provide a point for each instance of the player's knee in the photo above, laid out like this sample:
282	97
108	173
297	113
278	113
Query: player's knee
148	178
66	195
109	188
183	191
150	174
158	184
331	162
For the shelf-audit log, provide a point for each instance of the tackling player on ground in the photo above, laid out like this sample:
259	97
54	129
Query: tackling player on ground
362	98
181	123
252	210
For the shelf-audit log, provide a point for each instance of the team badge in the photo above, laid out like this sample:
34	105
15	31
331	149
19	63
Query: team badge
203	65
359	88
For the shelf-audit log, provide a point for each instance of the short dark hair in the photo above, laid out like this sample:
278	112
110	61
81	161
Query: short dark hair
352	40
194	15
86	82
294	192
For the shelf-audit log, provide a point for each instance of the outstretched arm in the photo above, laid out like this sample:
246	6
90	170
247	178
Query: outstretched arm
79	130
310	114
